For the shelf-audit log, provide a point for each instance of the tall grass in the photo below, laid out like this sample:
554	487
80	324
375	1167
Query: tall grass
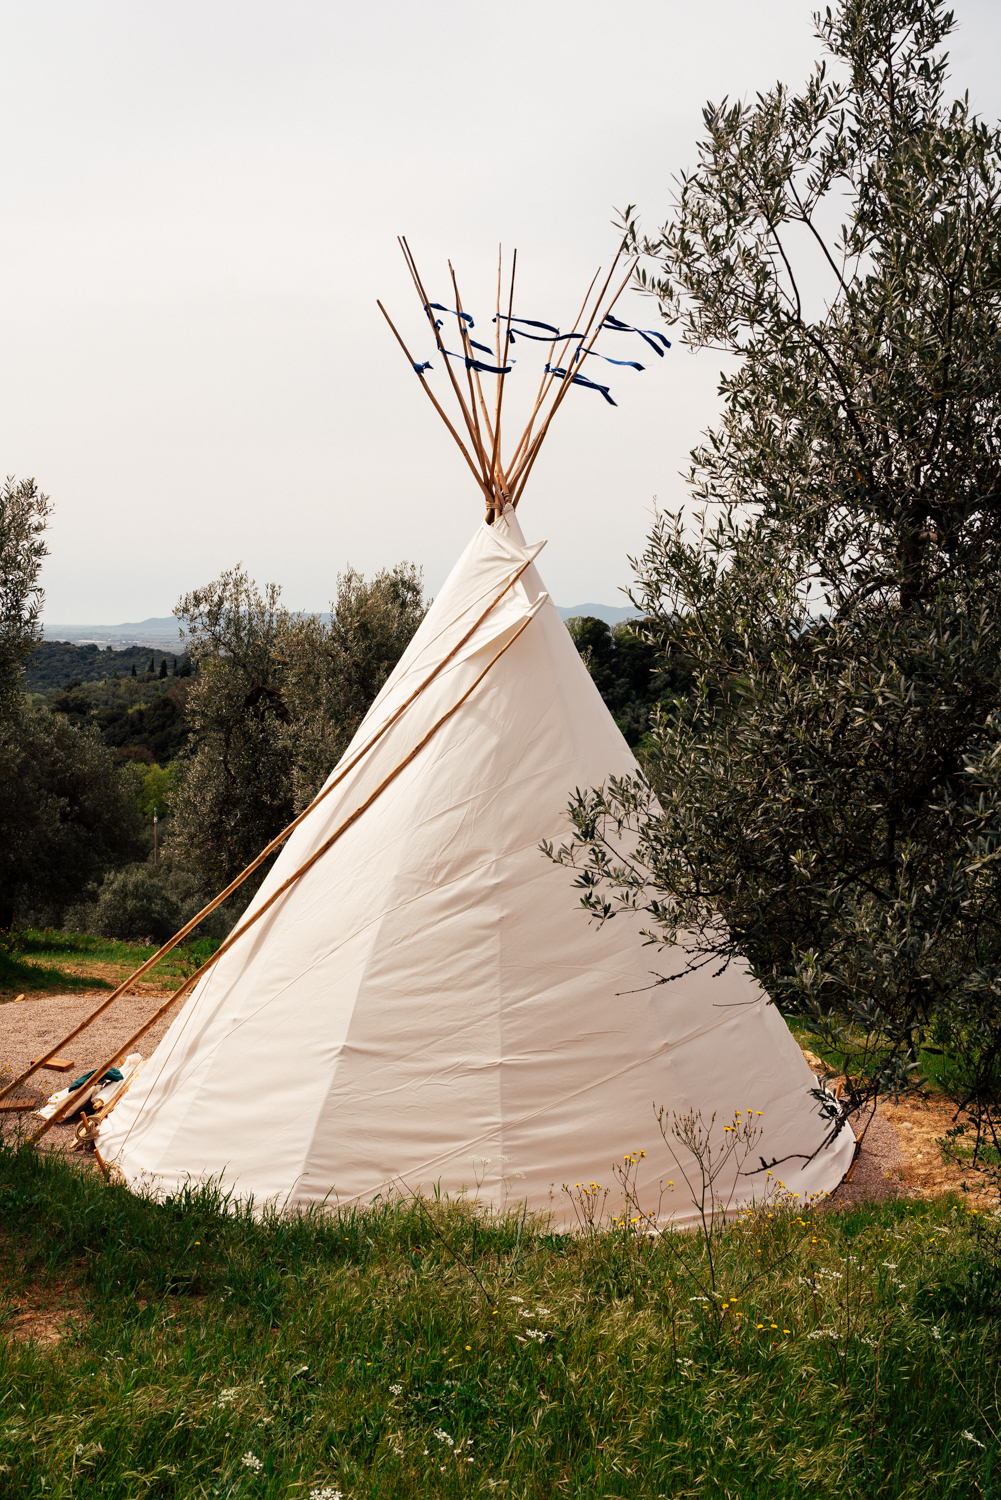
430	1349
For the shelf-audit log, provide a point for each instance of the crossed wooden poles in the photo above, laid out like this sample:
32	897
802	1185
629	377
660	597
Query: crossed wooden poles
503	484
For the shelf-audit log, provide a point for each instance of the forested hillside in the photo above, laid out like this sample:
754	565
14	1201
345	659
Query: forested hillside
54	664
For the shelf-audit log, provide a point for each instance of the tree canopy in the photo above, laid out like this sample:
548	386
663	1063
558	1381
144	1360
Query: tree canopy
276	698
826	803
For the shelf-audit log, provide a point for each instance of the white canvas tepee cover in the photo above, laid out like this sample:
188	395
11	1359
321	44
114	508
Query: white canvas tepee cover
430	994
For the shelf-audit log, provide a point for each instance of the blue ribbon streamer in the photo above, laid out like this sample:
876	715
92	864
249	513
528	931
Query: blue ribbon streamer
532	323
478	364
466	318
427	365
632	363
591	385
552	337
648	335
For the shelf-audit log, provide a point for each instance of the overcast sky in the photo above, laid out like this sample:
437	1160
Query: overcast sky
201	203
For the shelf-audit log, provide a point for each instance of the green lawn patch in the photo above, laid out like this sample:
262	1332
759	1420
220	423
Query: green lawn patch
430	1349
39	959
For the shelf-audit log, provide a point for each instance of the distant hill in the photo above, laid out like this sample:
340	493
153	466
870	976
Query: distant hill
612	614
163	632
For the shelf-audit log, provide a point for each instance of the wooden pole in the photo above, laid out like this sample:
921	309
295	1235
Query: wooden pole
345	770
474	375
496	463
425	303
434	401
69	1104
526	450
547	380
526	466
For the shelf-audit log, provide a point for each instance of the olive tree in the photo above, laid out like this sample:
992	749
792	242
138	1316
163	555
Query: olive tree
273	705
24	513
825	803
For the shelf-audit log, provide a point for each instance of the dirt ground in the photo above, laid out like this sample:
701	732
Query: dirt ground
44	1310
30	1028
900	1154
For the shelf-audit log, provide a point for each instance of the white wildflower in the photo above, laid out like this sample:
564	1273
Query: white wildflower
396	1390
891	1265
329	1493
443	1437
251	1461
79	1449
537	1334
971	1439
225	1397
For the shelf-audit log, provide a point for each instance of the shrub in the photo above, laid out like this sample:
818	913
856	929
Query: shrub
136	904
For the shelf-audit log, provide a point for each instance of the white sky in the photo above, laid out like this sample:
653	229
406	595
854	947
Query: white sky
201	203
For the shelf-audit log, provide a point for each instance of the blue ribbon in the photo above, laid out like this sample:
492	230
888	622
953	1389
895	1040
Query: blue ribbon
591	385
427	365
583	353
532	323
478	364
552	337
648	335
466	318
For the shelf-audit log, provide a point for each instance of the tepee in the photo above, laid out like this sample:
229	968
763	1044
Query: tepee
414	998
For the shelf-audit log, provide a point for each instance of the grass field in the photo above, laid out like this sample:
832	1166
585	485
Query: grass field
426	1349
48	961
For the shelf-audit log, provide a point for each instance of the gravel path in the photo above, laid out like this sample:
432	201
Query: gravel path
875	1171
30	1027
